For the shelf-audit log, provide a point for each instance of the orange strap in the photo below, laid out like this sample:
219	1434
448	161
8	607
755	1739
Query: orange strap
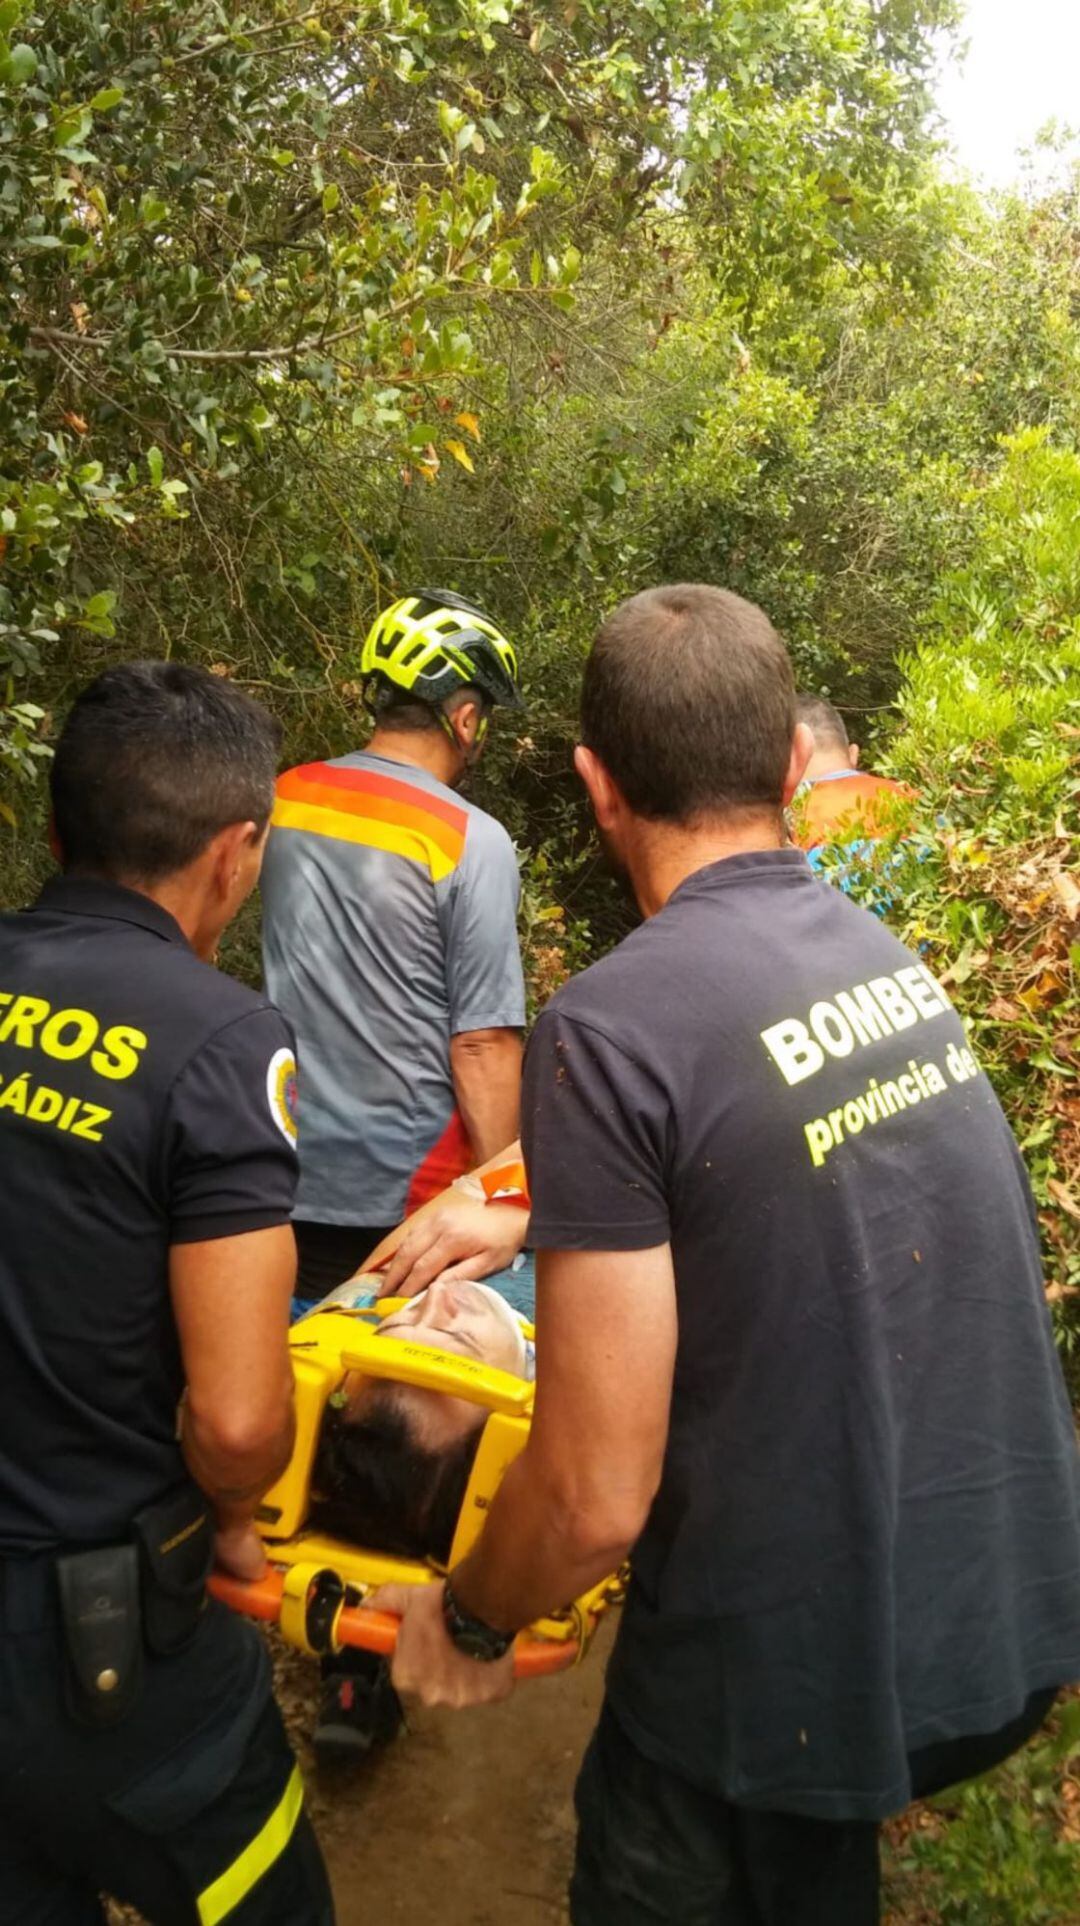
507	1184
261	1598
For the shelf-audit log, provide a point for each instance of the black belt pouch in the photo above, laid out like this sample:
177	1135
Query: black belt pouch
100	1613
176	1547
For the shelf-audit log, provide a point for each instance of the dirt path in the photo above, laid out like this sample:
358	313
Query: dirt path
468	1818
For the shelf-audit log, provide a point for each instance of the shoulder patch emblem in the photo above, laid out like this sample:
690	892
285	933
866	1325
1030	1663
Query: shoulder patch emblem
281	1093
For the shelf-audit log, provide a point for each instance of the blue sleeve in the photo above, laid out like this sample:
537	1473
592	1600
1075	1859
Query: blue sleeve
478	915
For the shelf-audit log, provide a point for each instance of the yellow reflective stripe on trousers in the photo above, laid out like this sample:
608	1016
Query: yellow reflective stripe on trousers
235	1883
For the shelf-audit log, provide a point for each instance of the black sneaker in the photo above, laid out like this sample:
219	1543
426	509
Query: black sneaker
358	1709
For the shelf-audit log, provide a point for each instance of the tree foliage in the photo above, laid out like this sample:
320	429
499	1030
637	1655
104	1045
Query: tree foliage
257	263
990	712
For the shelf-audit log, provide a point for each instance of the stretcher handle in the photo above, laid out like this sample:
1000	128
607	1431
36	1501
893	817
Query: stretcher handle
370	1631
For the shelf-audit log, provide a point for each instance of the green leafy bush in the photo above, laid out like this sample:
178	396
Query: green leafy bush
990	723
1003	1850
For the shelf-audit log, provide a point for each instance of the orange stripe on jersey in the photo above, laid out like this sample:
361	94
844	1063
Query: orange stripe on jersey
338	825
371	782
380	809
391	816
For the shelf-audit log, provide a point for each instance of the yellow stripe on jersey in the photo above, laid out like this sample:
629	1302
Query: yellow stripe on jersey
398	840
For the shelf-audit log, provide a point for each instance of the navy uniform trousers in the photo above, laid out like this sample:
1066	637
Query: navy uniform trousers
189	1809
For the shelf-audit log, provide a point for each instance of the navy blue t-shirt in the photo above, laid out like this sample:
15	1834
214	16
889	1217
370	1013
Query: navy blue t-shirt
867	1534
146	1100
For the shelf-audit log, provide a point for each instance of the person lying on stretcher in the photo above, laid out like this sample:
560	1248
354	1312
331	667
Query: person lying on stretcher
394	1459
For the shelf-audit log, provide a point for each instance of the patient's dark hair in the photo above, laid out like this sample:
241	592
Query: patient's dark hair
377	1486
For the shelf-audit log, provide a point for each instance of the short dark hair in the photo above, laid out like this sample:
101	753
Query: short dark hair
392	709
378	1486
154	759
688	701
825	723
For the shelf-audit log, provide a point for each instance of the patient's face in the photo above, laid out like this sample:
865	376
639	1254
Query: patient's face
462	1318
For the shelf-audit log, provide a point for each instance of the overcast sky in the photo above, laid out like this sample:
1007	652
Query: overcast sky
1023	69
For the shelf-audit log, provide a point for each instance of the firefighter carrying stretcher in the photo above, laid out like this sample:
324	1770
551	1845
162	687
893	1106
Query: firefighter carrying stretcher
147	1133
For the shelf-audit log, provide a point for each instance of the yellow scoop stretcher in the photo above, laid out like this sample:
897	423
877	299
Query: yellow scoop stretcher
315	1586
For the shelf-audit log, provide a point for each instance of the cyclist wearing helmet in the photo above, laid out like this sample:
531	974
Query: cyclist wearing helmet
390	939
390	944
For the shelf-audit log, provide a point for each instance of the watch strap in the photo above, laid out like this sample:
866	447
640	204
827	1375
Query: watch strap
472	1635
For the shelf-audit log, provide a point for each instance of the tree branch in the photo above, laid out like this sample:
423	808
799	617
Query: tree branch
310	345
220	40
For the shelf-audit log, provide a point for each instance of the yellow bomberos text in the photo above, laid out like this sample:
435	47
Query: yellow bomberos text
68	1034
65	1035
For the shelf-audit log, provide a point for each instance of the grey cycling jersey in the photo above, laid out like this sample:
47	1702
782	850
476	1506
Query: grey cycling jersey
389	925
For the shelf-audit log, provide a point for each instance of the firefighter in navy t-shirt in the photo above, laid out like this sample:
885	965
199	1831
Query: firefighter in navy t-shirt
794	1356
147	1139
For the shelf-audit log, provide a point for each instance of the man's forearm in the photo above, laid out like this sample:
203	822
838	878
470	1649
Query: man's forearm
235	1473
485	1066
538	1552
574	1503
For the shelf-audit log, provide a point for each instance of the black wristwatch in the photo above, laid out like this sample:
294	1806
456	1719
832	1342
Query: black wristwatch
471	1635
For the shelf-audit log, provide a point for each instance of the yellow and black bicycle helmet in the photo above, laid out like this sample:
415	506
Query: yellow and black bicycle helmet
433	642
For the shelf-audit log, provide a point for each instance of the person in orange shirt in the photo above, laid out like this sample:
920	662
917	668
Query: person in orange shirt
837	802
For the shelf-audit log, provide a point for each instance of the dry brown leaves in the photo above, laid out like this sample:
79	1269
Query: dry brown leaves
548	971
1034	978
